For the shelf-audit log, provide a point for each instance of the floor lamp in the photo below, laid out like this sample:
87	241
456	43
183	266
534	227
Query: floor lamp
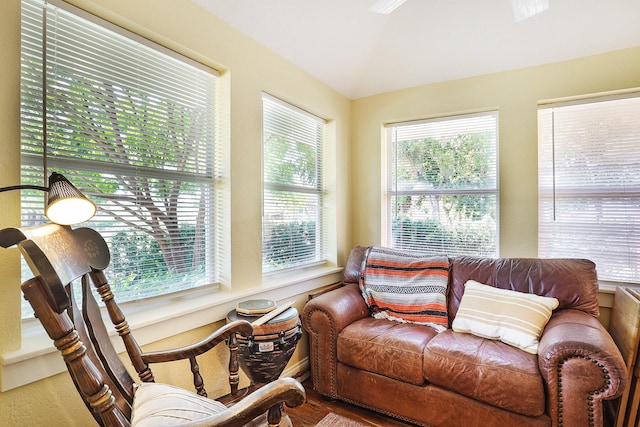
65	204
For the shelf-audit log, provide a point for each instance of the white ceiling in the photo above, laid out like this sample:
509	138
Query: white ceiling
360	53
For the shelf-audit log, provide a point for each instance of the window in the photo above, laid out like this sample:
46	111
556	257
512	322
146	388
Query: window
133	126
442	185
589	183
292	230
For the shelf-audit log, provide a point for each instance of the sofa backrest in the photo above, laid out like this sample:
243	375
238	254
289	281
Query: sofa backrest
573	282
354	265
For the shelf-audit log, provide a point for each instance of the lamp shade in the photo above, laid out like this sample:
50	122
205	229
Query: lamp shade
66	205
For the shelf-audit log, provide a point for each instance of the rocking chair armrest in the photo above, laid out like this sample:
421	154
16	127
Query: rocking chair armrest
239	326
286	390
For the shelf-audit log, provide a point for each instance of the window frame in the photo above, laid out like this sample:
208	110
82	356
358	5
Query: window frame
316	190
602	196
209	178
391	189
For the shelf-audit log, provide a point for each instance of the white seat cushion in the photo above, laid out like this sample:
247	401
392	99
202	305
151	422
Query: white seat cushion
157	404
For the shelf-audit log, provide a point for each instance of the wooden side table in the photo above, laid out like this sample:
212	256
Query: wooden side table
265	354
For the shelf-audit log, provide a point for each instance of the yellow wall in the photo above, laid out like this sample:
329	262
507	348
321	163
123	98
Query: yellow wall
247	70
515	94
9	166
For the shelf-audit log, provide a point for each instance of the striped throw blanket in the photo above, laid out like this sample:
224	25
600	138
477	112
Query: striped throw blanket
406	286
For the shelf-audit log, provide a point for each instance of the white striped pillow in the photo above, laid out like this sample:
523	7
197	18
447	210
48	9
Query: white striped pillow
157	404
515	318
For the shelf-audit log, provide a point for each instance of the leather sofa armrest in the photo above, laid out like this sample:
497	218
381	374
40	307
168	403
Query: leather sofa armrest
323	318
582	367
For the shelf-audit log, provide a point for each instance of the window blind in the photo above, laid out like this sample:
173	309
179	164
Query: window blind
589	184
442	185
133	126
292	220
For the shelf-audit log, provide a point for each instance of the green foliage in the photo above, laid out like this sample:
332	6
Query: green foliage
292	190
433	237
410	234
141	149
458	162
431	208
289	162
130	136
139	267
286	242
137	256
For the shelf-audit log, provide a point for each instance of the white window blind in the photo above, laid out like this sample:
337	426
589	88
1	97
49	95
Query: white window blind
133	126
589	184
442	185
292	220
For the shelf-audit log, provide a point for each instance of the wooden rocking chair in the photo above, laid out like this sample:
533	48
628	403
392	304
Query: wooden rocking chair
59	258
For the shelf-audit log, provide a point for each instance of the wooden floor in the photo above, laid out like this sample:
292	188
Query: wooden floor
317	407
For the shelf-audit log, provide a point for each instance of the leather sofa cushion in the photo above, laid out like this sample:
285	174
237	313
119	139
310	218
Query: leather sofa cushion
573	282
353	269
385	347
489	371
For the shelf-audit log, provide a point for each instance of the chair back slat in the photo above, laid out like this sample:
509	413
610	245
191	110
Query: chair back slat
88	322
121	325
101	341
87	375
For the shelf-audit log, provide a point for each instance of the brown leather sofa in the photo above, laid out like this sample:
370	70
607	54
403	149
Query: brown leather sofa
411	372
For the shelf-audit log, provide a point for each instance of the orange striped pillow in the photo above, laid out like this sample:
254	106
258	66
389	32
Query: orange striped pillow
406	287
515	318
